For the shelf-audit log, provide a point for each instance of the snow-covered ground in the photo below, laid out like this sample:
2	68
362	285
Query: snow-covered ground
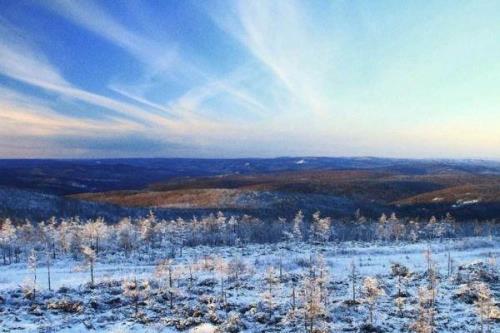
248	305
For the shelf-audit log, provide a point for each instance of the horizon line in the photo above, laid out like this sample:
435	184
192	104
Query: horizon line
484	159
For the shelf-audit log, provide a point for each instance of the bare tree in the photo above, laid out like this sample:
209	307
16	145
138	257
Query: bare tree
269	302
48	264
33	265
450	264
165	271
89	256
136	292
238	267
401	272
222	270
353	276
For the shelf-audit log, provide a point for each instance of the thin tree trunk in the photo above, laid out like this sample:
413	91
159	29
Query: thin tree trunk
34	287
48	271
92	273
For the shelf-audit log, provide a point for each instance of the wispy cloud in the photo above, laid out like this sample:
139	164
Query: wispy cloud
24	115
164	60
20	61
298	56
92	17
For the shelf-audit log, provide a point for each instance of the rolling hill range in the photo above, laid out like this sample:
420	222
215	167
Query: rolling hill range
348	188
265	187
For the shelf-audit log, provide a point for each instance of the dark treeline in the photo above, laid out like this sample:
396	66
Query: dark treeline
19	205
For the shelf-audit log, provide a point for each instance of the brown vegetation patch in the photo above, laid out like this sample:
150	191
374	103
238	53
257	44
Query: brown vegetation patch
458	195
195	198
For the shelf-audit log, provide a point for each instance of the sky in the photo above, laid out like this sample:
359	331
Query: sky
97	79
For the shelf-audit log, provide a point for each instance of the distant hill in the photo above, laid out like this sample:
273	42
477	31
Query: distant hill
270	187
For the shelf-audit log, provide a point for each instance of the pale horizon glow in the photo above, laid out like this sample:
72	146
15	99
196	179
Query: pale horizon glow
90	79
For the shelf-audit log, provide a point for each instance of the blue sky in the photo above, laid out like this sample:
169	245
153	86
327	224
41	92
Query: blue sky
249	78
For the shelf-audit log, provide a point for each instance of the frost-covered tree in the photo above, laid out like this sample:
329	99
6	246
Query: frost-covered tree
432	277
447	226
76	237
221	268
94	232
27	237
269	302
33	266
399	230
89	256
7	237
232	323
271	278
298	222
361	225
430	227
372	292
320	228
323	278
222	226
413	230
400	304
126	234
425	319
394	228
49	233
146	232
232	225
353	276
238	267
64	236
48	263
382	227
180	234
428	259
312	305
268	298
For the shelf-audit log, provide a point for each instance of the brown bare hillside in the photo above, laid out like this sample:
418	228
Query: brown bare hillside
234	191
191	198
